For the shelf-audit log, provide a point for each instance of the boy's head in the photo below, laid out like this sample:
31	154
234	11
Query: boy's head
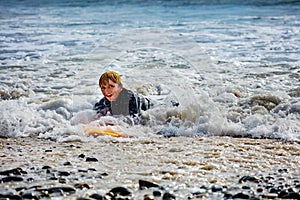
110	85
110	75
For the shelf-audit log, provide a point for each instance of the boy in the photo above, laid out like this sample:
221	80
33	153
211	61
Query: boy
118	100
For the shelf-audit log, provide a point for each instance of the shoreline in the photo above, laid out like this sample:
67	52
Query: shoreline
182	166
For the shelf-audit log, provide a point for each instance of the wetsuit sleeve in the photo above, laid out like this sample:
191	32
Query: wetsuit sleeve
138	103
102	107
133	105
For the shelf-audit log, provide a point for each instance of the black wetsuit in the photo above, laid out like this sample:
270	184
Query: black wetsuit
127	103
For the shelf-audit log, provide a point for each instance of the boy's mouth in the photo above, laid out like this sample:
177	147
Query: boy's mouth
109	95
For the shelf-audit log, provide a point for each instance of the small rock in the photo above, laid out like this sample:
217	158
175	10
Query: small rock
291	195
15	171
91	159
96	196
147	184
157	193
46	167
248	178
67	163
62	180
81	156
119	193
11	179
30	196
216	188
270	196
63	173
81	186
259	189
168	196
62	190
10	196
241	196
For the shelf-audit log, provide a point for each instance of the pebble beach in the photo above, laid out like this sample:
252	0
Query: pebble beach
150	168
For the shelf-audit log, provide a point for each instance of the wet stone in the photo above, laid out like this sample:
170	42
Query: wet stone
11	179
248	178
157	193
61	190
10	196
63	173
82	186
91	159
96	196
119	193
81	156
62	180
67	164
15	171
216	188
30	196
241	196
46	167
147	184
270	195
168	196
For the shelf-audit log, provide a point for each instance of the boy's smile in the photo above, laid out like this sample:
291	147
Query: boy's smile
111	90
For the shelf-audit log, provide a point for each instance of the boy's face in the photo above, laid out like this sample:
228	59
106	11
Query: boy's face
111	90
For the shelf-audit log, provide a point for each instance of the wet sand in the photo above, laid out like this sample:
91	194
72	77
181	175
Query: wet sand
181	165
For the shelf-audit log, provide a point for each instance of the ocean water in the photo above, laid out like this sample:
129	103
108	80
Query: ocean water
233	66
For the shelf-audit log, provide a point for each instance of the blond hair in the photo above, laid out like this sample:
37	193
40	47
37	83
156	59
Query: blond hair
110	75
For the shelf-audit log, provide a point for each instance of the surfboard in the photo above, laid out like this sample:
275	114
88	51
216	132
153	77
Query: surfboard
102	131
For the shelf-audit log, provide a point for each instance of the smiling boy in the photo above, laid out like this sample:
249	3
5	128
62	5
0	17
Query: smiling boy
118	100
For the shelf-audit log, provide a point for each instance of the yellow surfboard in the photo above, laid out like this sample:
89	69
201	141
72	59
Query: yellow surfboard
101	131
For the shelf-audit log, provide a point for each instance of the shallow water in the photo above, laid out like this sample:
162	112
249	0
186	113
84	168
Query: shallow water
232	66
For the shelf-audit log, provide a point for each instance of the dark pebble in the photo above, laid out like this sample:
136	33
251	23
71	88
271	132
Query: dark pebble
46	167
96	196
241	196
69	190
48	150
147	184
157	193
11	179
15	171
119	192
10	196
260	189
282	170
248	178
216	188
30	196
168	196
291	195
81	156
81	186
67	163
83	171
62	180
30	179
63	173
91	159
245	187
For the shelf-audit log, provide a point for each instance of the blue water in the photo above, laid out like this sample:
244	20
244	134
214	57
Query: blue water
232	65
